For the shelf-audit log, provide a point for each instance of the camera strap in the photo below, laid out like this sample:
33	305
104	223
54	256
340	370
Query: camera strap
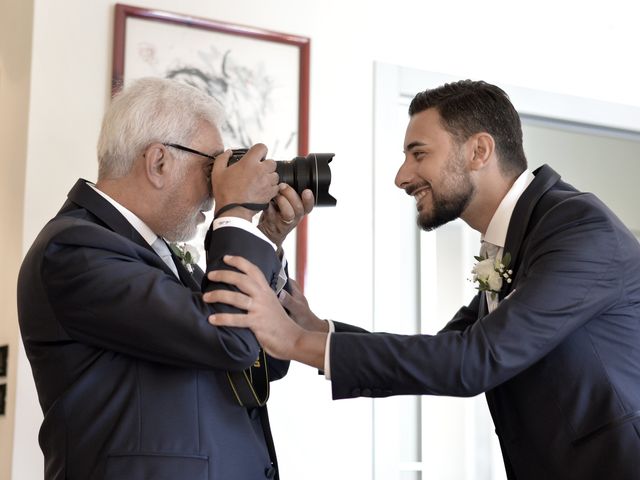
249	206
251	386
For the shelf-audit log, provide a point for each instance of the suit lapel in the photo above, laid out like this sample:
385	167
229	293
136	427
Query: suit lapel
483	308
191	280
545	178
83	195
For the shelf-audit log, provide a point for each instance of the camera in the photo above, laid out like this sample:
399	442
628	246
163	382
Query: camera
310	172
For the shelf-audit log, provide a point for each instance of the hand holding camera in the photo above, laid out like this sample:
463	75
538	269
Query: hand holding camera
300	184
307	182
245	181
285	212
311	172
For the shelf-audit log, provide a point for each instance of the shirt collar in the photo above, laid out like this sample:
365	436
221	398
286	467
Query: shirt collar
497	230
141	227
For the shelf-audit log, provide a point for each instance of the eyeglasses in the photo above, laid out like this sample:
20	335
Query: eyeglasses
190	150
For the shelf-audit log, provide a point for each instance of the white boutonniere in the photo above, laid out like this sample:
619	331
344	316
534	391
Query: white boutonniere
490	272
188	254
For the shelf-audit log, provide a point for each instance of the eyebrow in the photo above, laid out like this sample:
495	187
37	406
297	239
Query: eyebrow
413	145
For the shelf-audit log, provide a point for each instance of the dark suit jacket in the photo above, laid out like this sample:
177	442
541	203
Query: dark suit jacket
130	375
559	359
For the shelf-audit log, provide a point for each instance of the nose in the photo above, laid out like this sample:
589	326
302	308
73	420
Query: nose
403	177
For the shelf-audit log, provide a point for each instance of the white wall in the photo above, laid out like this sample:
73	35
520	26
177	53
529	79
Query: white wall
579	157
567	47
15	60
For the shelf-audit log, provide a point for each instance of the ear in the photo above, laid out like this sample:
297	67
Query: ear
156	165
482	146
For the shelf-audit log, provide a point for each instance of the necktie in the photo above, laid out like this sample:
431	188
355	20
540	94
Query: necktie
489	250
161	248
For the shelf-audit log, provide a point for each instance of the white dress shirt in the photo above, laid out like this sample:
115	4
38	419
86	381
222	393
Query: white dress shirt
496	233
497	230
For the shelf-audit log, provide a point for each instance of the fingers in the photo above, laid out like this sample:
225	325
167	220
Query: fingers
255	157
273	181
229	320
235	299
289	196
249	279
244	266
222	160
290	205
308	201
286	201
241	281
256	154
270	167
249	180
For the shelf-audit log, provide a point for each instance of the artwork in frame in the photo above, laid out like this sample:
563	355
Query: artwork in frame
260	77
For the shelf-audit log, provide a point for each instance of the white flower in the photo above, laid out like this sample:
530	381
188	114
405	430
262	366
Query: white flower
188	254
490	272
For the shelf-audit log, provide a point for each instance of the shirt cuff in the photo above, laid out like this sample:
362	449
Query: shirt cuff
244	225
327	353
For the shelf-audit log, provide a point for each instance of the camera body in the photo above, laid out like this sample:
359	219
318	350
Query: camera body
300	173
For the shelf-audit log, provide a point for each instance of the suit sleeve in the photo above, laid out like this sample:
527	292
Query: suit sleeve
114	294
571	274
345	327
226	243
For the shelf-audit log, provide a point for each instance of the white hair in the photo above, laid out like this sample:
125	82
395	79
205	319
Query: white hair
146	111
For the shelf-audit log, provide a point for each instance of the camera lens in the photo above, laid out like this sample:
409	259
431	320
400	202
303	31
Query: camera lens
312	172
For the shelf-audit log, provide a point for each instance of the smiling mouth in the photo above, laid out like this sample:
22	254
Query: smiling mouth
420	194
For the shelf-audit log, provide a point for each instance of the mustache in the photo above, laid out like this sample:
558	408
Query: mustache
411	189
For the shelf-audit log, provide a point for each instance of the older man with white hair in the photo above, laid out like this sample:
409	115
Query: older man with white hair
133	381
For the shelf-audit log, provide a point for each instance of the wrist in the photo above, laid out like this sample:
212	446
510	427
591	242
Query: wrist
326	326
321	326
234	210
275	239
309	348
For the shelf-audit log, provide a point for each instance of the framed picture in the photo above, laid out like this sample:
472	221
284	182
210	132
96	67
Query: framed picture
260	77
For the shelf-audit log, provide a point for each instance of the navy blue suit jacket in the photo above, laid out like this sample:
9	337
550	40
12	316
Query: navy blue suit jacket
130	375
559	359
